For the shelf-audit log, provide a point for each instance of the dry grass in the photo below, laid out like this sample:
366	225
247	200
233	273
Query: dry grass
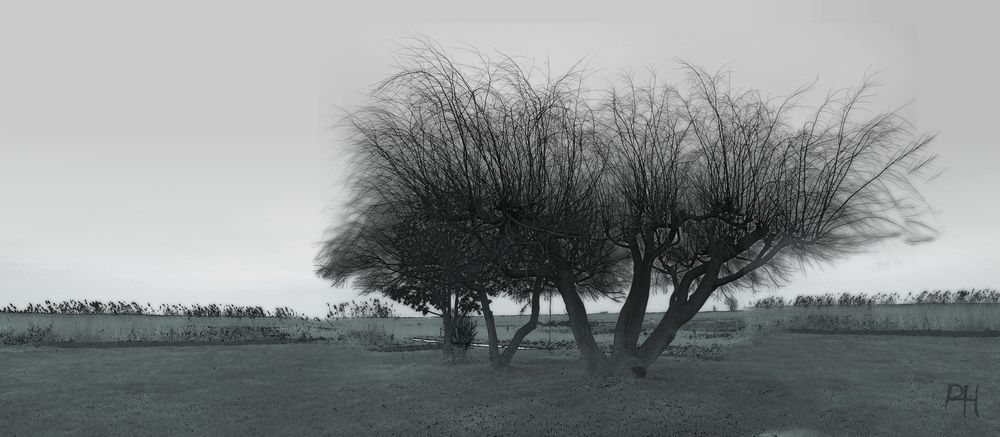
813	384
916	317
706	329
18	328
373	336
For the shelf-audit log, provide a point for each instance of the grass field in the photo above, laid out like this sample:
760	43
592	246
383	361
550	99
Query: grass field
727	373
784	384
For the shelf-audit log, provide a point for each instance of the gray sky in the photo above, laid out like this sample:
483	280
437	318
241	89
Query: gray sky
183	152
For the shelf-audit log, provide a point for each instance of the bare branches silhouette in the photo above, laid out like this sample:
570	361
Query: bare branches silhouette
490	178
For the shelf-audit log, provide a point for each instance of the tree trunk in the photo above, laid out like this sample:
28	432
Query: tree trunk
662	335
630	318
449	327
625	363
625	359
491	328
515	342
676	316
683	307
590	352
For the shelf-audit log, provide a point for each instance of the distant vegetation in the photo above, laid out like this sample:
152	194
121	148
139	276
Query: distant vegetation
137	309
974	312
864	299
132	322
969	319
18	328
372	308
732	304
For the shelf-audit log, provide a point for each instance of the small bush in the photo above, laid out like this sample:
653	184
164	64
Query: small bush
463	335
375	336
34	335
555	323
732	304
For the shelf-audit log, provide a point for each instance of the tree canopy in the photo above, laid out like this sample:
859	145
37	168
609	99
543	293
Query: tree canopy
498	179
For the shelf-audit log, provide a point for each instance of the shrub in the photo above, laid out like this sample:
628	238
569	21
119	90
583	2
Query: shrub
34	335
770	302
463	335
732	304
555	323
374	336
372	308
285	313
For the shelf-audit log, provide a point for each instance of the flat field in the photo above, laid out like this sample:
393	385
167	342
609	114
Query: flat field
552	332
772	383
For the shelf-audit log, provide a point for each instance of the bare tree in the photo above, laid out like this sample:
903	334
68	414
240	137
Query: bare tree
500	159
647	151
716	188
707	187
764	196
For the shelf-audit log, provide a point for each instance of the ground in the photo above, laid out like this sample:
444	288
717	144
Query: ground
781	383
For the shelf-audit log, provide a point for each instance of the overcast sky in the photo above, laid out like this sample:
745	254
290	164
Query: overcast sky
184	153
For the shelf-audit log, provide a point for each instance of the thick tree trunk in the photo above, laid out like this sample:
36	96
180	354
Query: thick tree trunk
633	362
676	316
683	307
630	318
523	331
590	352
625	359
662	336
491	328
